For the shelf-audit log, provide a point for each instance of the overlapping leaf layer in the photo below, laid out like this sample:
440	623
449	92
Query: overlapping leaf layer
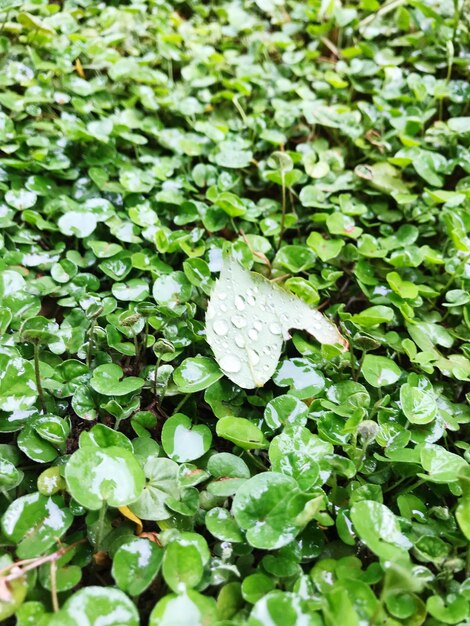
323	144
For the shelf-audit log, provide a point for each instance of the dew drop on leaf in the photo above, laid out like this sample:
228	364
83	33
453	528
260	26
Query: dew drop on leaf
239	303
240	341
220	327
230	363
252	334
238	321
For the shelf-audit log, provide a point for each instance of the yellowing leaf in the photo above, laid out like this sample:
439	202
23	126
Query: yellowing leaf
248	318
125	510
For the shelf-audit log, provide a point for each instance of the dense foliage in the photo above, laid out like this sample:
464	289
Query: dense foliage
322	144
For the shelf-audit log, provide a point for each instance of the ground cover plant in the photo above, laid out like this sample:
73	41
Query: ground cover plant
262	464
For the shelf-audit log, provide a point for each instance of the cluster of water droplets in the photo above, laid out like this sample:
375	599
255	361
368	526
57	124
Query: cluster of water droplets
247	328
247	320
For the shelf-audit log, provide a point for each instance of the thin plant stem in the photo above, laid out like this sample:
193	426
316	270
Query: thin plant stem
283	215
19	568
54	597
255	460
38	377
386	8
101	522
155	374
7	15
180	404
137	351
91	333
239	108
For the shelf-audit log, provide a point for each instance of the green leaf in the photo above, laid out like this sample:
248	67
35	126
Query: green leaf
106	380
91	606
34	522
241	432
442	466
373	316
222	525
378	528
135	565
228	471
418	405
454	611
301	375
285	410
161	483
460	125
77	224
97	475
184	442
403	288
232	154
17	384
192	608
296	452
380	371
279	608
265	506
326	249
196	374
172	289
182	566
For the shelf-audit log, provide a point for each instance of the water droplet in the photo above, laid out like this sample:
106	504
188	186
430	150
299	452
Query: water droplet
220	327
257	325
221	295
254	357
275	328
230	363
240	341
250	300
238	321
266	366
250	292
266	350
252	334
239	303
223	308
284	317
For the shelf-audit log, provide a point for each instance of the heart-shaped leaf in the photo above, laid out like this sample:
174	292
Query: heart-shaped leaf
247	320
284	410
106	380
161	483
380	371
194	608
135	564
91	606
279	608
182	566
261	508
77	223
184	442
